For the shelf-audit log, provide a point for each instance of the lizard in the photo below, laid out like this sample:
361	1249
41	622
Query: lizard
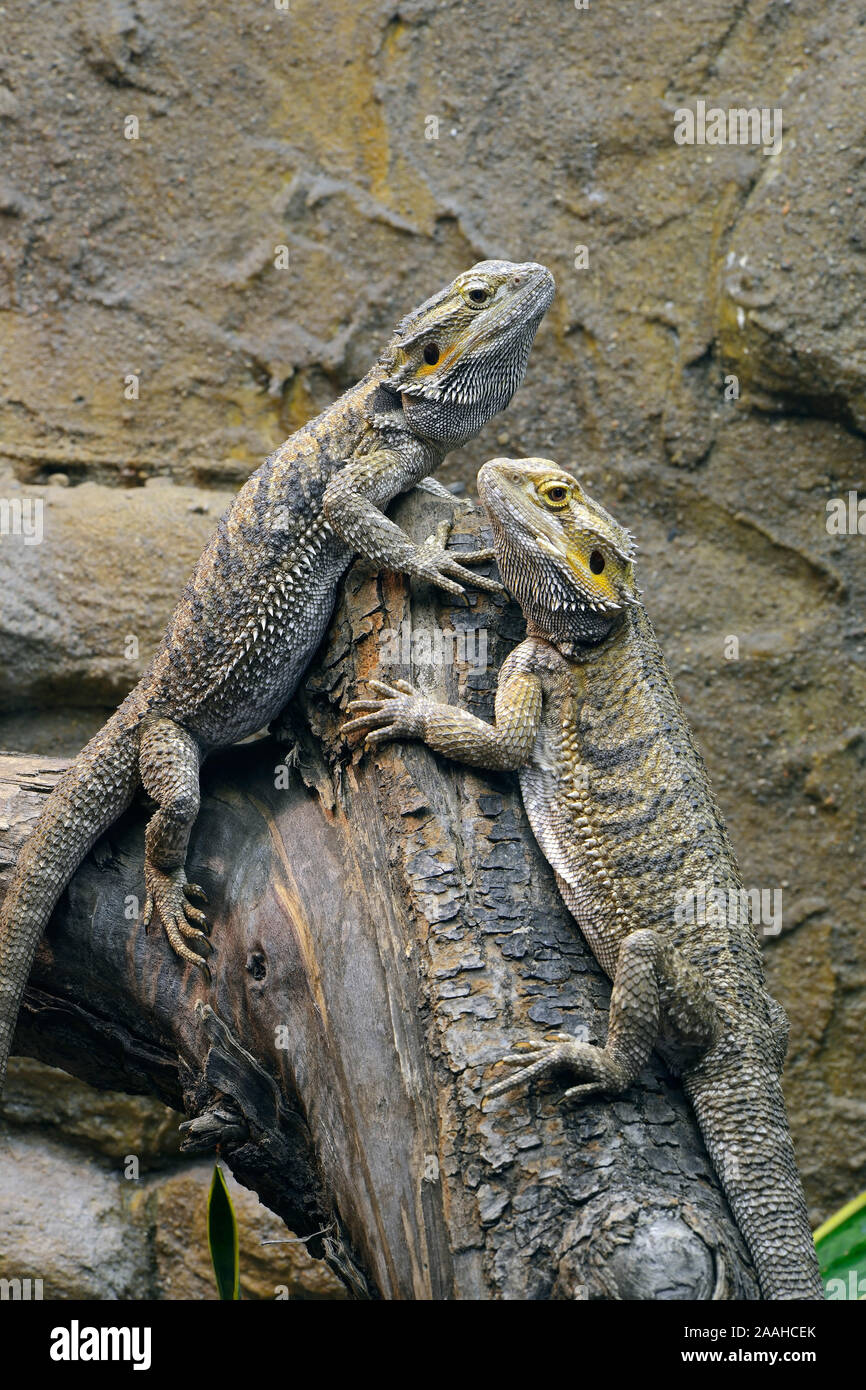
260	598
619	799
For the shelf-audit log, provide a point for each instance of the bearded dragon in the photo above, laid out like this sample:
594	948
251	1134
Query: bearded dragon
619	800
259	601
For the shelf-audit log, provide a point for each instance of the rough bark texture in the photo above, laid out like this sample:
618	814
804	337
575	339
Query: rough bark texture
385	928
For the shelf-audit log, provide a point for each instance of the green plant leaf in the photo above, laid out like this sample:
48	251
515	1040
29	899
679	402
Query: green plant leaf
841	1247
222	1237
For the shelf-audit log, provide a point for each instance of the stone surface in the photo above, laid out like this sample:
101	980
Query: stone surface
792	301
84	605
67	1219
71	1217
110	1125
308	129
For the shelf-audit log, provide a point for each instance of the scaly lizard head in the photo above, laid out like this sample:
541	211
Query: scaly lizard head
567	562
457	360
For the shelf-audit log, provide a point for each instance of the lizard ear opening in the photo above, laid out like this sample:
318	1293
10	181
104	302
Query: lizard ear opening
596	573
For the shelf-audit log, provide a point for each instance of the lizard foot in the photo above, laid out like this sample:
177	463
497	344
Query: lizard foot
169	894
397	715
601	1072
434	563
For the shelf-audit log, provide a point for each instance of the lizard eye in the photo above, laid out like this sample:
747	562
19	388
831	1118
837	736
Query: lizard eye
555	494
431	354
478	295
596	562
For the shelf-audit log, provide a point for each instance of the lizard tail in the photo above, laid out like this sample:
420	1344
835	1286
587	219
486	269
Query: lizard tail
742	1117
90	795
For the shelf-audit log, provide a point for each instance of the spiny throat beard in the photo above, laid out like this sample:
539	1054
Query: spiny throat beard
554	606
459	406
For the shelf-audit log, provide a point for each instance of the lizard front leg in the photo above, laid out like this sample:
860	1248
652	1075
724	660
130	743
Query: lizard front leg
352	505
401	712
650	980
168	764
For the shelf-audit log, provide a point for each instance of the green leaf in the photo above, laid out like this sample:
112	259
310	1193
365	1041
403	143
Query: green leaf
222	1237
841	1247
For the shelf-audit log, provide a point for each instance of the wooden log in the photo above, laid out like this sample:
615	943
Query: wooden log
385	929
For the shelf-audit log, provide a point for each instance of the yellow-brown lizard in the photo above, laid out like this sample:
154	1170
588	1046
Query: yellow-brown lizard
619	800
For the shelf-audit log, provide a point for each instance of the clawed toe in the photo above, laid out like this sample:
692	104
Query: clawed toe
591	1088
475	557
521	1058
168	896
537	1059
476	581
193	933
198	918
175	933
397	687
391	714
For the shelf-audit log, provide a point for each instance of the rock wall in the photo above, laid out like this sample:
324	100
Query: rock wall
96	1201
172	304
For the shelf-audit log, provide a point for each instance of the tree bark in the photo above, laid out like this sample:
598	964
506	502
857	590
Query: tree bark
385	929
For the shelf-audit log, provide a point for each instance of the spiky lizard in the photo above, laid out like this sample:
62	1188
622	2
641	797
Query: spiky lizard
259	601
619	799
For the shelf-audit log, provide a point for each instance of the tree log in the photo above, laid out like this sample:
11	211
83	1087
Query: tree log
385	929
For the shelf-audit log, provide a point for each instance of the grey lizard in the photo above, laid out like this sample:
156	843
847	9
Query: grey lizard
259	601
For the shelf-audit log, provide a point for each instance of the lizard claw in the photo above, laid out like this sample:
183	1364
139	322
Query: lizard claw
195	892
396	714
168	894
539	1058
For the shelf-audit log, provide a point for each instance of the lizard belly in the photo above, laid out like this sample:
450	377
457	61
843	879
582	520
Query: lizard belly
586	889
257	697
257	670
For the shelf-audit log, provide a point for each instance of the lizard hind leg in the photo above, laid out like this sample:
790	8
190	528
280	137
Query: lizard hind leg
169	765
650	980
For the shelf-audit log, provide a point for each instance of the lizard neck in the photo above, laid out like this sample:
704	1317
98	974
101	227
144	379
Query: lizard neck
392	425
604	631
